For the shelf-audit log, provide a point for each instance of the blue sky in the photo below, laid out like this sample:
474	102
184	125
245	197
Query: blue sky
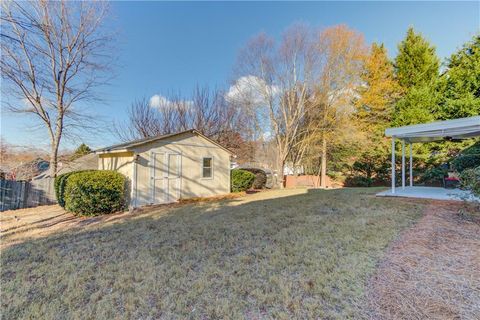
166	47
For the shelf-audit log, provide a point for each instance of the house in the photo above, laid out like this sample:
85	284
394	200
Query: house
26	171
167	168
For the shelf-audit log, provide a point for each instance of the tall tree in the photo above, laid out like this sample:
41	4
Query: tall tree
341	52
460	84
416	63
378	91
417	71
279	79
306	84
54	55
377	95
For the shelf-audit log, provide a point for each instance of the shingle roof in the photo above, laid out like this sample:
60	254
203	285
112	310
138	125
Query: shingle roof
138	142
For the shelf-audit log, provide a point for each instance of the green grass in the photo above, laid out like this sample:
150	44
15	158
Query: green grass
279	254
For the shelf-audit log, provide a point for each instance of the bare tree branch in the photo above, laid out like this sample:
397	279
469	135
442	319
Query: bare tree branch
54	57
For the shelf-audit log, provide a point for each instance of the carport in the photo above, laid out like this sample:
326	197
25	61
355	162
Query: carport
457	129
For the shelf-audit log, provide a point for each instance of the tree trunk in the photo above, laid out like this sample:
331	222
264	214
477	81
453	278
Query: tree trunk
55	141
323	175
281	177
54	160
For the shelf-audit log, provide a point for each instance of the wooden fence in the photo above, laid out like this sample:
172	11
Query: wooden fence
308	181
25	194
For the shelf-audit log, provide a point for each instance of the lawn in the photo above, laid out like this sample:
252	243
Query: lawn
278	254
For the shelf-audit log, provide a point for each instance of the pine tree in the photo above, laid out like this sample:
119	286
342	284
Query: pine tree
460	84
417	72
416	63
82	150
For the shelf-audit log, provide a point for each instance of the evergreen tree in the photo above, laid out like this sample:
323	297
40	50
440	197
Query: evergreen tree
416	63
82	150
417	72
460	84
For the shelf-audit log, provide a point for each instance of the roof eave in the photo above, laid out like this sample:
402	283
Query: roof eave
135	144
433	126
105	151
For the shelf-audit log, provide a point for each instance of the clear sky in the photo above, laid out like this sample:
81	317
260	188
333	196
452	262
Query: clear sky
166	47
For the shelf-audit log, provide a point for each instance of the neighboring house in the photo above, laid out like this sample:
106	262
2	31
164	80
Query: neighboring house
27	171
167	168
85	162
290	169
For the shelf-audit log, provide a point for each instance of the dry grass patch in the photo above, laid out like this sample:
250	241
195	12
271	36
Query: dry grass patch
280	254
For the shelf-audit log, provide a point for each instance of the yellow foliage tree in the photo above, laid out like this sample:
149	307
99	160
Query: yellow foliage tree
379	91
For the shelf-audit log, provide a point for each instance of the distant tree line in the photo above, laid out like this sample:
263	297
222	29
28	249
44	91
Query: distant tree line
321	99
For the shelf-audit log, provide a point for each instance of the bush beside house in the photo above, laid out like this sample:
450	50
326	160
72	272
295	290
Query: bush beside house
91	192
241	180
59	186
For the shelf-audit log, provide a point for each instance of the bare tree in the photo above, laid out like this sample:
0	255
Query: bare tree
205	110
142	122
305	84
54	56
280	79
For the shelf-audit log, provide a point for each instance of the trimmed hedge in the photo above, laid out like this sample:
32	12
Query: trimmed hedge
95	192
241	180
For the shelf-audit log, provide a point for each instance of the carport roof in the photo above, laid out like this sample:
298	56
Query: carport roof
463	128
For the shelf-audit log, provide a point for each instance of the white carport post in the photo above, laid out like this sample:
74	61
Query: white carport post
411	165
393	164
403	163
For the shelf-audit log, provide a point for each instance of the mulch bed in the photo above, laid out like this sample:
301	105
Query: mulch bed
432	271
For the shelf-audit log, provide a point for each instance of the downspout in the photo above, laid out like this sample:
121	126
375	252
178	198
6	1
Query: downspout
134	182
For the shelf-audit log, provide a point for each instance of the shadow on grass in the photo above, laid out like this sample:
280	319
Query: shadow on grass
306	255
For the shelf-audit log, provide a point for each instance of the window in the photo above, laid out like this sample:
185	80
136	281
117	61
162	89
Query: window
207	167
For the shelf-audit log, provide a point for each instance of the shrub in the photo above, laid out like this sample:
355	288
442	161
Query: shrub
434	175
241	180
466	161
260	178
59	186
358	181
470	180
468	158
95	192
